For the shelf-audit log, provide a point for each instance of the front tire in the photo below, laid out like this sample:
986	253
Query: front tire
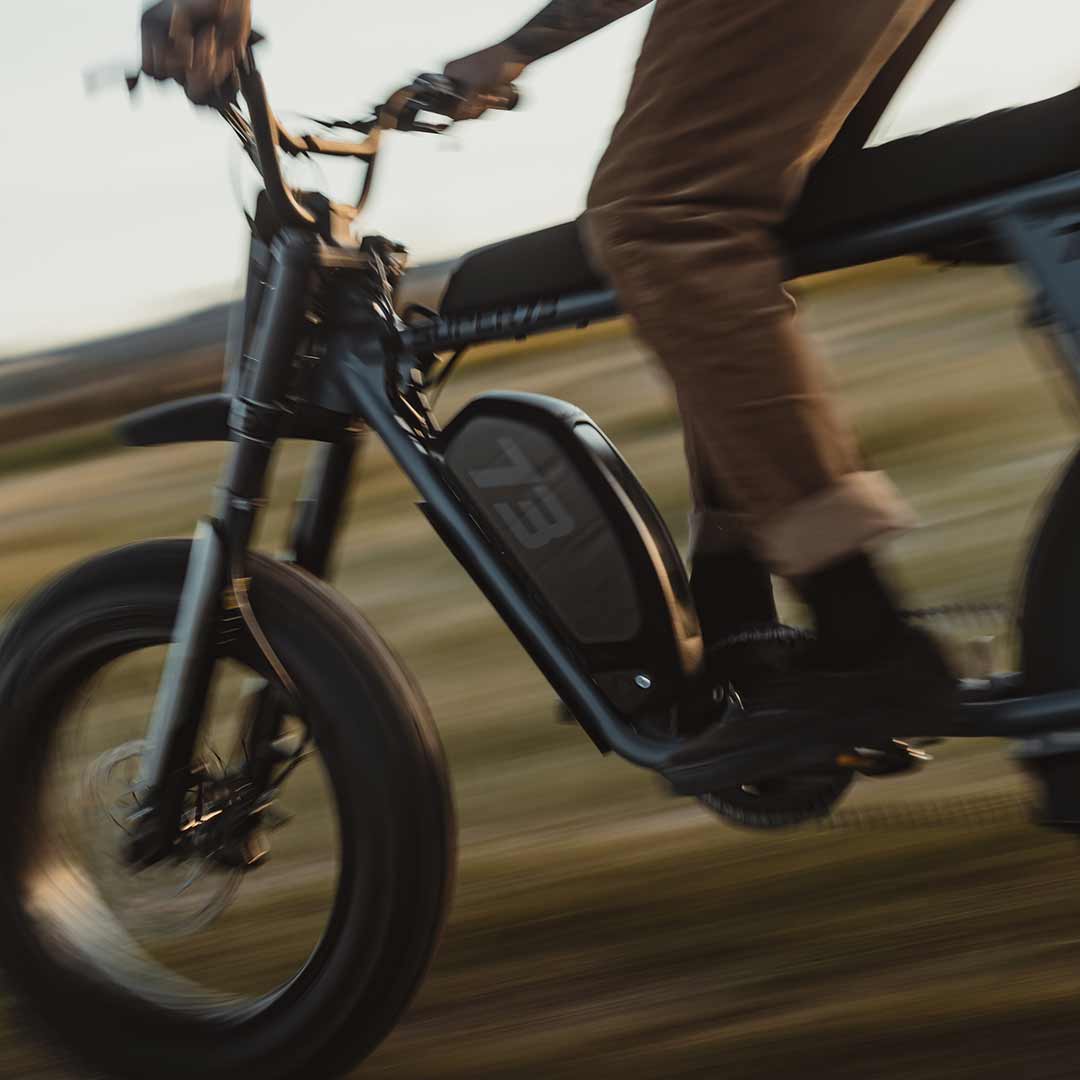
66	953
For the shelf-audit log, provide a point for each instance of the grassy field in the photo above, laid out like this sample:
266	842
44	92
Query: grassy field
602	928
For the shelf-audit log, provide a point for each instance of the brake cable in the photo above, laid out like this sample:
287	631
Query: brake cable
435	385
362	127
240	581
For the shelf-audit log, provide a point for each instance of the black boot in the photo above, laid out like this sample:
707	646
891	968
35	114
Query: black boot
870	671
869	675
746	646
732	592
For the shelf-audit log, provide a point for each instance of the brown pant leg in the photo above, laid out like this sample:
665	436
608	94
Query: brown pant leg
732	103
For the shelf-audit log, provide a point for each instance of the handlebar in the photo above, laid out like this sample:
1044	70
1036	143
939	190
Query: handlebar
263	135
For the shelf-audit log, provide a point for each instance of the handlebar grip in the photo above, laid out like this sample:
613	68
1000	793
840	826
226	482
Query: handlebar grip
443	96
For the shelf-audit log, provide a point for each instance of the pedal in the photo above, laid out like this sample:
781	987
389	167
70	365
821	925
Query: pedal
893	759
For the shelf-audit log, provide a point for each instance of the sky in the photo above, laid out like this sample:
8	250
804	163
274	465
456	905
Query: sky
118	213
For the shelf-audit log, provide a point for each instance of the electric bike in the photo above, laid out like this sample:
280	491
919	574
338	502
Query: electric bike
541	511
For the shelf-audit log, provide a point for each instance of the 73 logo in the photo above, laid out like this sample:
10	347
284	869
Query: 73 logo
535	520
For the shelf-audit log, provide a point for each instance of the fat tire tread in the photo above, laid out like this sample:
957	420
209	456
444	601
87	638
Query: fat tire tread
361	1008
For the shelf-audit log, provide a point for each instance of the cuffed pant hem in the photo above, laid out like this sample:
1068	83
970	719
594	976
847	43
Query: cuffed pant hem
860	509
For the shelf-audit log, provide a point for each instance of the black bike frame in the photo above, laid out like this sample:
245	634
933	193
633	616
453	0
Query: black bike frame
368	367
366	371
1025	226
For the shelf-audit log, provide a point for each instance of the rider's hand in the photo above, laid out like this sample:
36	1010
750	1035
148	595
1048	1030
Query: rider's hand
199	43
484	76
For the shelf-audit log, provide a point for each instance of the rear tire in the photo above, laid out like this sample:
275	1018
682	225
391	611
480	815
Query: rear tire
1050	660
388	777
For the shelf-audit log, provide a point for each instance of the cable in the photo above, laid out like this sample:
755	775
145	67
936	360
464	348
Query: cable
435	386
240	583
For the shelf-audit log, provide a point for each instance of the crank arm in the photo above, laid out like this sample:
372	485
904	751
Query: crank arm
751	764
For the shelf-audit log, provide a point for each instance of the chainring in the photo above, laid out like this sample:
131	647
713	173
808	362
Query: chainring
781	802
739	663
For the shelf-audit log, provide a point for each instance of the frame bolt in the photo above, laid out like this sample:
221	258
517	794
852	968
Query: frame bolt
643	681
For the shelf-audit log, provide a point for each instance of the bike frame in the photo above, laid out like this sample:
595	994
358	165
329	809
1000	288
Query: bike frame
369	372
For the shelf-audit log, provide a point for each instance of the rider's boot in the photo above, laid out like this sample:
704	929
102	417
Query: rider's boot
745	642
868	676
869	664
905	686
788	721
732	591
855	614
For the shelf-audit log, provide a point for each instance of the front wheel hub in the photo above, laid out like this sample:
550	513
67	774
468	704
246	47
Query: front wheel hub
168	892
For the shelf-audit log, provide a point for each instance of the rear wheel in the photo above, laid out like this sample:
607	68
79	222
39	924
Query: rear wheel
220	961
1050	660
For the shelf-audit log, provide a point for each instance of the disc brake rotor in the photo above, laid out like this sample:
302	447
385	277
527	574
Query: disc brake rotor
173	898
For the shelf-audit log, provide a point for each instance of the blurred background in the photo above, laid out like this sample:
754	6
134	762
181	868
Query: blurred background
601	928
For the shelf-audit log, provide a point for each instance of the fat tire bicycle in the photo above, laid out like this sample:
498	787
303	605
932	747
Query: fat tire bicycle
540	510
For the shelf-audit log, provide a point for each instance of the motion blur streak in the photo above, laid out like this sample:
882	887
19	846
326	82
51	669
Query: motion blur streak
602	928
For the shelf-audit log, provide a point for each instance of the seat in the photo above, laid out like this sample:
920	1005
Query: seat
849	189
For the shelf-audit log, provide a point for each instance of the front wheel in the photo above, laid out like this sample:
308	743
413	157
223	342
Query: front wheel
217	963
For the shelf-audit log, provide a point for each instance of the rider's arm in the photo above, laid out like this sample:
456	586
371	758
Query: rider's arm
563	22
560	24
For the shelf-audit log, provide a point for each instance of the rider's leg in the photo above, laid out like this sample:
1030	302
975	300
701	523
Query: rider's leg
731	105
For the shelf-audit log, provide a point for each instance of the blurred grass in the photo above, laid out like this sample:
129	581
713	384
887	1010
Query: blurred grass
602	928
51	451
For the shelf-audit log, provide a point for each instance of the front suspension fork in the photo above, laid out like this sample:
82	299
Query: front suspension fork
314	530
219	547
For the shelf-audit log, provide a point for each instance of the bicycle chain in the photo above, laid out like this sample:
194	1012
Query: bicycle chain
993	808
